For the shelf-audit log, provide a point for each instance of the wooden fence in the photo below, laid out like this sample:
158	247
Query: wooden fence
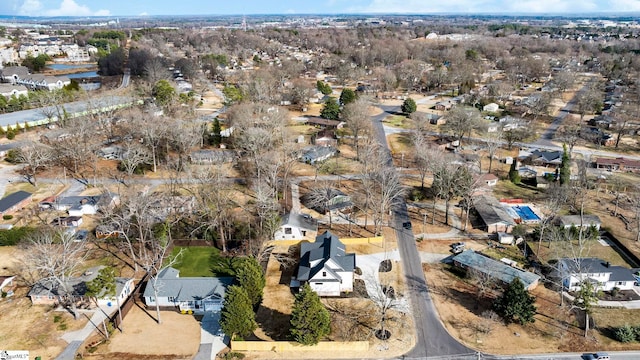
291	346
129	303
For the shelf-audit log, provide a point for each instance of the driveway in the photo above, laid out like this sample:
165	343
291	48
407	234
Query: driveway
212	339
76	338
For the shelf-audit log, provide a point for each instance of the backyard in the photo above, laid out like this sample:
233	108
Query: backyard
194	261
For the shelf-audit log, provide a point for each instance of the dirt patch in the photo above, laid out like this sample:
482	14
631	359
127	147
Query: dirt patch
177	336
36	328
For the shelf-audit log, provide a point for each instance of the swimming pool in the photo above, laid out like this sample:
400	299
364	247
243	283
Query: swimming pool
525	213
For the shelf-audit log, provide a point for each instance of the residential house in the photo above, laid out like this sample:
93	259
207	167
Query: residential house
296	227
617	164
9	90
488	180
196	294
7	285
316	120
498	270
43	82
12	74
326	266
162	207
443	105
336	201
109	231
81	205
325	138
492	107
315	154
217	156
602	274
67	221
544	158
587	221
493	214
49	291
14	202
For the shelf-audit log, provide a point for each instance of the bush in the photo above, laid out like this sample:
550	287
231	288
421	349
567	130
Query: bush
615	291
233	356
11	134
625	334
7	217
14	236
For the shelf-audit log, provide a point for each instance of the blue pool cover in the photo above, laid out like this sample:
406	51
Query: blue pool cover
526	213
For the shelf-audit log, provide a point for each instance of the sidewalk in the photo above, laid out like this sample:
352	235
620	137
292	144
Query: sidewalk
76	338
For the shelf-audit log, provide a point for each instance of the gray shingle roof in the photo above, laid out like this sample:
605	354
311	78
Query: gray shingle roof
327	246
587	220
494	268
170	284
595	265
13	199
491	211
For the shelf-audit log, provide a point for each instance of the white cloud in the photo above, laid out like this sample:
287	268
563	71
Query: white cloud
625	5
30	7
144	13
66	8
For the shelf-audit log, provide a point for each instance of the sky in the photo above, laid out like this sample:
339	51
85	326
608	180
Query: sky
249	7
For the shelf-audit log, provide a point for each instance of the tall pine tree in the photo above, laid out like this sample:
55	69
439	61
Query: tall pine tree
251	278
310	321
565	166
237	316
516	304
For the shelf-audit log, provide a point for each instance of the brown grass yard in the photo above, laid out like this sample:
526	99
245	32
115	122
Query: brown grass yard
555	329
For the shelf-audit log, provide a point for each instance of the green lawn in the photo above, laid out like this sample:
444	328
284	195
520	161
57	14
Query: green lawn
195	260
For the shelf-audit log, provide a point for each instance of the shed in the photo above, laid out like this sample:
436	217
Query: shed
504	238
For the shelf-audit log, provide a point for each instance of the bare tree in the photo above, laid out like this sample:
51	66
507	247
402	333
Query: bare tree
387	190
34	157
424	155
159	261
492	142
357	118
483	281
133	156
321	195
57	256
462	121
155	70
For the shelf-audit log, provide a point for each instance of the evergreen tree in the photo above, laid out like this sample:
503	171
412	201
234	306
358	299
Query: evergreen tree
516	304
409	106
163	92
310	321
565	166
237	316
347	96
323	87
251	278
514	175
331	109
216	138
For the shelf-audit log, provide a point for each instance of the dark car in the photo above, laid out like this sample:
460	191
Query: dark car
407	225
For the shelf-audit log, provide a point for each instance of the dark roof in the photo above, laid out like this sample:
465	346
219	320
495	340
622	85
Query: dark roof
299	221
587	220
49	286
491	211
494	268
321	121
598	266
13	199
314	256
547	156
170	284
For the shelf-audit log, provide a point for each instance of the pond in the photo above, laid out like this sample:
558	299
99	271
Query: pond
69	66
88	74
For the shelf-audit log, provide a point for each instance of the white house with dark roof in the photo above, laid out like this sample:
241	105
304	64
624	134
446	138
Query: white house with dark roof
493	215
48	291
325	266
601	273
296	227
197	294
587	221
9	90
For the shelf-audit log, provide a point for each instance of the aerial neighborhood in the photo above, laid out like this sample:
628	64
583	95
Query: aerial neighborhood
319	187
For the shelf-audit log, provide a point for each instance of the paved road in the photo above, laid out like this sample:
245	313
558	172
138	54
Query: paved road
432	339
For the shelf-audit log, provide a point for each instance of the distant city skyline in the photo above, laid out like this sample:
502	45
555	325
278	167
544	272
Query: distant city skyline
253	7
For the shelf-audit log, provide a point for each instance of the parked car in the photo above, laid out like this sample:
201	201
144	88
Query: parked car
596	356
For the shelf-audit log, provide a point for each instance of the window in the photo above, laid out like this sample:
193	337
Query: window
620	283
288	231
319	284
324	274
171	299
304	232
